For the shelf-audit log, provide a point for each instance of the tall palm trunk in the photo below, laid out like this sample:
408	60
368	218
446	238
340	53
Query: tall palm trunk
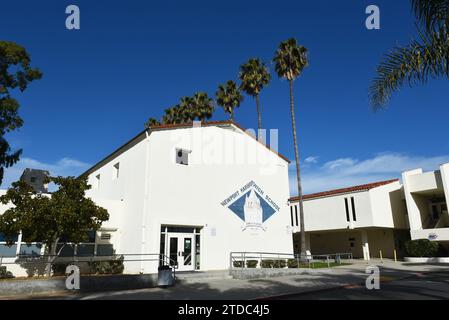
298	176
259	116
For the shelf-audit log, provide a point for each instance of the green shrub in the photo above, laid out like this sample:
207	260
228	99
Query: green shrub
59	268
5	274
251	263
108	267
421	248
279	263
237	264
266	263
292	263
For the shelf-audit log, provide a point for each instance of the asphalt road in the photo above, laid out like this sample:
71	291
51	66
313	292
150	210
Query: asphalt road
433	286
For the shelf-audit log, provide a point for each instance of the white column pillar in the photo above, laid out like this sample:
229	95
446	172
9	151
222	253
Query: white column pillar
19	243
365	246
444	169
308	241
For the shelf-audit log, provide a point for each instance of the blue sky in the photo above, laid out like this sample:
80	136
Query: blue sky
133	59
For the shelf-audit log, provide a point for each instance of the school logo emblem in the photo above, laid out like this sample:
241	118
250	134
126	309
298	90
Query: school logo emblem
252	206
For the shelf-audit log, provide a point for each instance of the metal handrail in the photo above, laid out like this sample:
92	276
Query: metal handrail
243	257
127	257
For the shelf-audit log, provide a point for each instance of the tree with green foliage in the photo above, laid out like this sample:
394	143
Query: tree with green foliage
290	60
427	57
66	213
229	97
152	122
202	107
15	73
254	76
198	107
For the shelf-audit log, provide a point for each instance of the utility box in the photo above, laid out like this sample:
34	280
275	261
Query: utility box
165	276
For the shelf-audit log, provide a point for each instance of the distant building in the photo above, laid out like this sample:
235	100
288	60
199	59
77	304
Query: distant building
427	194
36	179
362	220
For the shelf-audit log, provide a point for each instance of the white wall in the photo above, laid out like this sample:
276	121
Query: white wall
153	190
378	207
388	206
416	184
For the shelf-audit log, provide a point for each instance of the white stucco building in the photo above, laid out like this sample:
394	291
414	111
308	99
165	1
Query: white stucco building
426	194
362	220
194	194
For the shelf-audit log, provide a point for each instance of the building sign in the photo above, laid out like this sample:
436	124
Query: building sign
252	205
432	236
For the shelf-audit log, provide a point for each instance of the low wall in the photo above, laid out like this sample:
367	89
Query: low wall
260	273
11	287
427	260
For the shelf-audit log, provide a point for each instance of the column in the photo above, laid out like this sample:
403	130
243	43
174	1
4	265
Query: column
365	246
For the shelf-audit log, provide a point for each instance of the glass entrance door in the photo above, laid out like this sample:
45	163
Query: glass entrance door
180	248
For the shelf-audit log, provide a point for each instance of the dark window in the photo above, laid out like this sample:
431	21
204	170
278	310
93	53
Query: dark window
8	251
30	249
173	254
347	209
353	209
291	215
4	239
86	250
105	250
33	179
296	215
181	229
91	234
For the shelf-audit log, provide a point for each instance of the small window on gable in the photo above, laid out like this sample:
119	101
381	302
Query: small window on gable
182	156
97	181
116	171
33	179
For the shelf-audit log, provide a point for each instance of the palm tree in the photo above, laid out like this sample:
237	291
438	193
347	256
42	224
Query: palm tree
152	122
202	106
291	59
229	97
173	115
254	76
427	57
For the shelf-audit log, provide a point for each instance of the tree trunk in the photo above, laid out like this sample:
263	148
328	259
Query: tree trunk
259	116
51	256
232	115
298	176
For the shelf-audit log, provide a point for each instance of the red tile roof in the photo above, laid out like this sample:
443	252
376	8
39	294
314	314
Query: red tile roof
363	187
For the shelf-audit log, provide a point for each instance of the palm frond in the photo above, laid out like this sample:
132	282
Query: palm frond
411	65
432	14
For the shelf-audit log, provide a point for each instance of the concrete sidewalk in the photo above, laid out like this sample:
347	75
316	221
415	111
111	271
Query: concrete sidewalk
310	281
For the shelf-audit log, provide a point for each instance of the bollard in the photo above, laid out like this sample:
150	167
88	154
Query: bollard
380	252
395	256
